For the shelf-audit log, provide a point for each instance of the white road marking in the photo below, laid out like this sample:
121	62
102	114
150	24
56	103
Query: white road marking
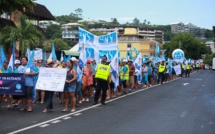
54	122
77	114
184	114
44	125
66	118
85	109
186	84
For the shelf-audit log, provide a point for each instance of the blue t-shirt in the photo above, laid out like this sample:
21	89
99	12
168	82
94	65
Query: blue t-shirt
29	81
74	67
125	69
149	70
94	68
155	69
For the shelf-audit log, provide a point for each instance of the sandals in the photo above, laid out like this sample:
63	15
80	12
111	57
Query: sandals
23	109
29	110
45	111
65	110
73	110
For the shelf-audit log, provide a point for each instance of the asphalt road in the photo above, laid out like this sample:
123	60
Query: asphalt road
183	106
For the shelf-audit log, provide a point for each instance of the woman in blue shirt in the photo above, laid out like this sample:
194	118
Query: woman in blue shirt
5	70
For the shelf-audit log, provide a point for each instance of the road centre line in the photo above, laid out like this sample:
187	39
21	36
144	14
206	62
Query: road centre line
88	108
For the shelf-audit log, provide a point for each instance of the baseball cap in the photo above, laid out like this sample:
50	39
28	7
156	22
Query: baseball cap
73	59
17	62
88	61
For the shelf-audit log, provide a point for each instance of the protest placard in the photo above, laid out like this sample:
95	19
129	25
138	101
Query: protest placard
51	79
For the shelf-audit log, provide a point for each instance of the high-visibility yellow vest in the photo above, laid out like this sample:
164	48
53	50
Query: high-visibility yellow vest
126	76
103	71
188	67
161	68
182	66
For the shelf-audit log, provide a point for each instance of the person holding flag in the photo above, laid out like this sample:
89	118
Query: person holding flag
29	84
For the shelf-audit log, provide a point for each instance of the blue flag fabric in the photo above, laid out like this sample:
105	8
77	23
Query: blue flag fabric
54	57
31	61
136	51
163	57
2	56
157	49
44	58
12	59
68	58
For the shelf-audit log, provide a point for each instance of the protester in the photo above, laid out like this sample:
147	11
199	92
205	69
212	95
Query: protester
103	76
155	72
5	70
145	75
120	69
49	94
16	98
70	87
40	92
131	74
87	81
124	74
161	70
29	84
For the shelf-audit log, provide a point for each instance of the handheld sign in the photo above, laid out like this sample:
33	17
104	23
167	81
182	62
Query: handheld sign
51	79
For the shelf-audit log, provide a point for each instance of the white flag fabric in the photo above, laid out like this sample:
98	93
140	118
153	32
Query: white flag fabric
115	71
137	64
92	47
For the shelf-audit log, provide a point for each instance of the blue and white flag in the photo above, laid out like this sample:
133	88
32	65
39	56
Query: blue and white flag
12	59
136	51
30	64
44	58
137	64
53	54
95	47
115	71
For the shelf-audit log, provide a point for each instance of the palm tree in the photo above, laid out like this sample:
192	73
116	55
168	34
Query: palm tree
25	33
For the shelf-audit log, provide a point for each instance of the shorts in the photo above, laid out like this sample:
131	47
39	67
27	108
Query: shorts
135	79
124	83
166	75
69	88
131	80
29	92
111	85
145	79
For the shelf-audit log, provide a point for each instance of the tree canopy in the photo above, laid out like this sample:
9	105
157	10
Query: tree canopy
59	45
12	5
26	33
191	46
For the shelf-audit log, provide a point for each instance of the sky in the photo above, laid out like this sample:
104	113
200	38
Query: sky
159	12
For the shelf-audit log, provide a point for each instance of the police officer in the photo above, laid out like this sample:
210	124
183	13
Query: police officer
161	70
188	67
102	76
124	75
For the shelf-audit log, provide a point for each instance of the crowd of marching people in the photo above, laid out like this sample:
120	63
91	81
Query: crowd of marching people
95	83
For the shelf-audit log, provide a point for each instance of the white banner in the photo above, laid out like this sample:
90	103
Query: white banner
138	70
177	69
115	71
95	47
38	54
51	79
